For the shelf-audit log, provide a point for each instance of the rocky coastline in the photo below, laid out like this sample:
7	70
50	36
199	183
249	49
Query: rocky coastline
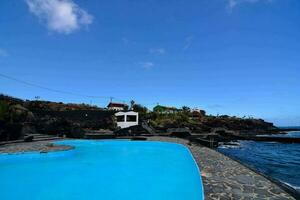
22	118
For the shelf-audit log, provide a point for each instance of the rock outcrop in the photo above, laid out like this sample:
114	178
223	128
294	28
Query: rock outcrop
19	118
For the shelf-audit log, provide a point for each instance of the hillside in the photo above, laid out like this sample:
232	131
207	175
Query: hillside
199	122
22	117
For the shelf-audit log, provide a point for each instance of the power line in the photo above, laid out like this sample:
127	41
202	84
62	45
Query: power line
66	92
52	90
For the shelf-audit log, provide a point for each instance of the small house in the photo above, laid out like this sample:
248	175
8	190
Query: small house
117	106
127	119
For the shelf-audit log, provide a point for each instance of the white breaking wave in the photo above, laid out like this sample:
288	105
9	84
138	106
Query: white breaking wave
292	186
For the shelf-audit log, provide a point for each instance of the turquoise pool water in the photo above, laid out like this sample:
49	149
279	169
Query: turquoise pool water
102	170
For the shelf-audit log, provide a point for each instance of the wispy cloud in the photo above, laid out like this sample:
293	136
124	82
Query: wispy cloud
231	4
146	65
159	51
62	16
188	42
3	53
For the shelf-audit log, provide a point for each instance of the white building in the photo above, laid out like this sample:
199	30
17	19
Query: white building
127	119
116	106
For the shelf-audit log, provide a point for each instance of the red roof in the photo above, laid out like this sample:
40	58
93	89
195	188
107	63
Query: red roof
112	104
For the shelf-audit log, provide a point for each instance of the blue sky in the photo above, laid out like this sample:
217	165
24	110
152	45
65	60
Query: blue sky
236	57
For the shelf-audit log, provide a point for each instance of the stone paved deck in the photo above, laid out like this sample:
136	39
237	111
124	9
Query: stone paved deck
40	146
224	178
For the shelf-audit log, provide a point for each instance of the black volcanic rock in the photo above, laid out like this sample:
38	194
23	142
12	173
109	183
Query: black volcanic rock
19	118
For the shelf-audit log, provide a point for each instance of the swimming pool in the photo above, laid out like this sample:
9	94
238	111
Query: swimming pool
103	170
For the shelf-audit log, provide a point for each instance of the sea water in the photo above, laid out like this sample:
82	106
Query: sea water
280	161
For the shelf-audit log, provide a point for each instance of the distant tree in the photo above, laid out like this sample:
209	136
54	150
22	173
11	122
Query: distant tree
139	108
203	112
132	102
185	109
142	110
159	109
126	107
224	116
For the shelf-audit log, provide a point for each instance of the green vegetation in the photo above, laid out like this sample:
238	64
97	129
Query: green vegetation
197	121
165	109
168	117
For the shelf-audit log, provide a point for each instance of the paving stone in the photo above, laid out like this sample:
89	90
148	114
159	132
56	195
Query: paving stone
40	146
228	179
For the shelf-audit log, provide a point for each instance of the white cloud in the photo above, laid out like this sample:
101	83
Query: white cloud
3	53
159	51
146	65
188	42
233	3
62	16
